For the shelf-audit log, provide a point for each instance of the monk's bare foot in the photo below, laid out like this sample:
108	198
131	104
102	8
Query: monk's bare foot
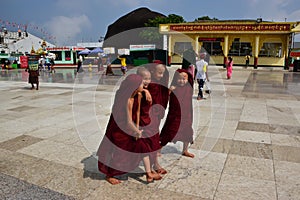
149	178
188	154
153	176
161	171
112	180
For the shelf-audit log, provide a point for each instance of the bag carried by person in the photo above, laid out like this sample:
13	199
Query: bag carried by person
207	88
204	68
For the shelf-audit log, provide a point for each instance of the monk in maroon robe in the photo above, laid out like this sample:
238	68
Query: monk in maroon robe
178	125
159	91
121	150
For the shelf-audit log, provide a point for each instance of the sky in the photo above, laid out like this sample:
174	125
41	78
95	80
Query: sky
68	22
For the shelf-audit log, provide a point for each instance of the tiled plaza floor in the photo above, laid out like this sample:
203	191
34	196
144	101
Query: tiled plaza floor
247	139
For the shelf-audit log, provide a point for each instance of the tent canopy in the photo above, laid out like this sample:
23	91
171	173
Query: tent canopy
85	51
97	50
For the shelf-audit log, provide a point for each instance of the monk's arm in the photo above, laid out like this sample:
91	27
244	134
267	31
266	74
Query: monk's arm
130	123
148	95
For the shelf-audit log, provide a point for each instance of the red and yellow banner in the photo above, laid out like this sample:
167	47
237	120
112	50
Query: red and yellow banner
231	27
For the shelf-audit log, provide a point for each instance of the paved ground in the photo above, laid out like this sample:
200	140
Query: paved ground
247	139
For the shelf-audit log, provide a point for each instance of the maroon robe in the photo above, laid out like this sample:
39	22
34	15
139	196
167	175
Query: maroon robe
151	115
160	97
119	151
33	76
178	125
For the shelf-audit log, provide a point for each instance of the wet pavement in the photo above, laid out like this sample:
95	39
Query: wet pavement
246	139
64	75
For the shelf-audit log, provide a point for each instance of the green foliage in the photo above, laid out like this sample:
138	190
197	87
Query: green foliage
172	18
152	33
205	18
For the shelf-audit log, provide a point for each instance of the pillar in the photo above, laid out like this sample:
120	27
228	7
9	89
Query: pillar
169	49
225	50
197	45
165	48
256	52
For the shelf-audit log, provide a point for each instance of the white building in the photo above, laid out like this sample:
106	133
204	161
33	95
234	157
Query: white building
14	42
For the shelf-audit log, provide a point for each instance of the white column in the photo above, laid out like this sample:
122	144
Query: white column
169	46
197	45
226	48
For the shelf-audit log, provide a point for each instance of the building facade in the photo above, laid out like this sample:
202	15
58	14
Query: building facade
267	43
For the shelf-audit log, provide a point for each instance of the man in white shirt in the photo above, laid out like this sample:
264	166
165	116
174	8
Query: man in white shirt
201	75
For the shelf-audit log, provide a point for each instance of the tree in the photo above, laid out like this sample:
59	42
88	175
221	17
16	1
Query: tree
172	18
203	18
152	33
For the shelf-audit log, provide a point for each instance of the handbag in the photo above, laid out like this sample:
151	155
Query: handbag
207	88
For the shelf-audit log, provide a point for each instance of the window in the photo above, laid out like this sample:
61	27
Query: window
213	48
58	55
67	55
240	48
180	47
271	50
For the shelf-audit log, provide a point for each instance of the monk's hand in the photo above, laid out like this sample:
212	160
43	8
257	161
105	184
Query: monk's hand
172	88
148	96
138	134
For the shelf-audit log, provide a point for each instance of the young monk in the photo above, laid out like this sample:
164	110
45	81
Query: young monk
178	125
148	125
121	150
158	89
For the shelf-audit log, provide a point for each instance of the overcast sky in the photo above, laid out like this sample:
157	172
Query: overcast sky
70	21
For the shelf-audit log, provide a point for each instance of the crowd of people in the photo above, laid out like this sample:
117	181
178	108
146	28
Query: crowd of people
47	63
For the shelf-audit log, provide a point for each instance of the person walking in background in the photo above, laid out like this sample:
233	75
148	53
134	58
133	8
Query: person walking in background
247	58
229	65
178	125
122	148
34	74
48	64
52	63
123	63
99	63
202	75
108	66
40	65
79	64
